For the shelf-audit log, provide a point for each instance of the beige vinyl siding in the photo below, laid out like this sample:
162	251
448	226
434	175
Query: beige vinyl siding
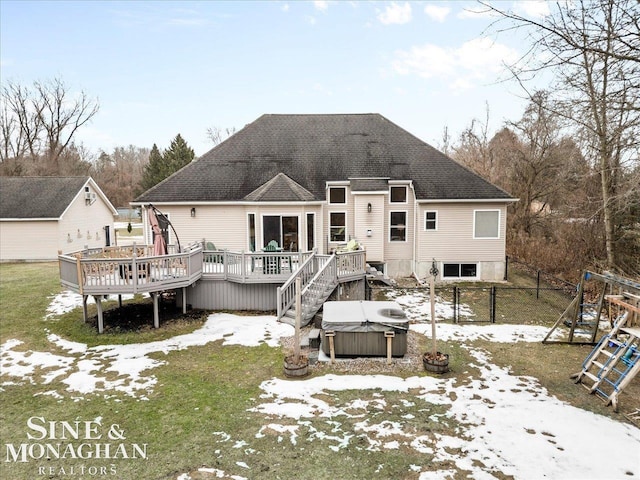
374	221
83	224
227	226
453	240
349	210
28	240
400	250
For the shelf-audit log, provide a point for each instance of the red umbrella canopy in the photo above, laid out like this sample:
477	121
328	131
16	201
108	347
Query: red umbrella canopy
159	245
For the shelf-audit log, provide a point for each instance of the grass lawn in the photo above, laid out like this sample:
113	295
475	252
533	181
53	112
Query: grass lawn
202	410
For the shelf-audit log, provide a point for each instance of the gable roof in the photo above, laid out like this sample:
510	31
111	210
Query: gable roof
40	197
314	149
280	188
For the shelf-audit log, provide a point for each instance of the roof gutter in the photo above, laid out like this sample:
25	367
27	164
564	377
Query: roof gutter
470	200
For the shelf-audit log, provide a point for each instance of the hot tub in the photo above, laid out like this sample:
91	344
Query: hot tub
364	328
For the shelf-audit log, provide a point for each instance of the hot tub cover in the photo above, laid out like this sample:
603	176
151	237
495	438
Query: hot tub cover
364	316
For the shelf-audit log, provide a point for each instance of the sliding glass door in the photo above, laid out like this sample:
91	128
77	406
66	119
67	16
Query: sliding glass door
283	229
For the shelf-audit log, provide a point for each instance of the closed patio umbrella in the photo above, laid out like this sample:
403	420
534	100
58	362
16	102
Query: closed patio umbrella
159	245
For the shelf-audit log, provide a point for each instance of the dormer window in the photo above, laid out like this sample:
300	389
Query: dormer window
398	194
338	195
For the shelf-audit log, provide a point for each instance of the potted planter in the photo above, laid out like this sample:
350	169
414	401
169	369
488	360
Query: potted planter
438	363
434	361
296	367
296	364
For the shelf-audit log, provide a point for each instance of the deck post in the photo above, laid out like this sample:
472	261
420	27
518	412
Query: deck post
119	301
98	299
85	314
79	271
156	319
184	300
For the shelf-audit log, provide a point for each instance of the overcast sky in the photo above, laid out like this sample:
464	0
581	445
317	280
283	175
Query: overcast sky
162	68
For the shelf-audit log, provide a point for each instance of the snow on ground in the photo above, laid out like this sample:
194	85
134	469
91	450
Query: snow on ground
505	423
85	370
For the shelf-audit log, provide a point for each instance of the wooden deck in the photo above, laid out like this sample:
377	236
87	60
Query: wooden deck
129	270
134	269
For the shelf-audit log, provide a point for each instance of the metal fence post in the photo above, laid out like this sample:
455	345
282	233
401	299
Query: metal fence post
455	304
492	310
538	285
506	268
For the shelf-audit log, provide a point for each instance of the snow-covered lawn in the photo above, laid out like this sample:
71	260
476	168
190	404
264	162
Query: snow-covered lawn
504	423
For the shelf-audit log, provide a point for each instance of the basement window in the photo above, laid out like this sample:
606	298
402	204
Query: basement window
459	270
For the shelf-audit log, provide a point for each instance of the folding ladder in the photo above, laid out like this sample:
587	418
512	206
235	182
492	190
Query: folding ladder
615	360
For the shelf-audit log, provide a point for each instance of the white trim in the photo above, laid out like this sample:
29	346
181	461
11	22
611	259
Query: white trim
424	221
306	230
262	215
499	223
255	232
471	200
231	203
370	192
52	219
329	188
477	276
346	223
406	195
406	226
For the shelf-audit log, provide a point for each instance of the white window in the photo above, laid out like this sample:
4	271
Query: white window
337	227
338	195
398	194
397	226
430	220
486	224
460	270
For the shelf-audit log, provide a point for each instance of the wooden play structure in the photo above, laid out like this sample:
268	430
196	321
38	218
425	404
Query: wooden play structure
580	322
615	360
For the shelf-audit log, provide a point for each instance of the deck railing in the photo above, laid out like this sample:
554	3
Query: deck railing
320	274
132	269
306	272
252	267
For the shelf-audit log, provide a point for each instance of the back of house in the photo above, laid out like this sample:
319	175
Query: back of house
315	182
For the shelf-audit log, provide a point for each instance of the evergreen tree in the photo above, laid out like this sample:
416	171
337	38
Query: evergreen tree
178	154
155	171
162	165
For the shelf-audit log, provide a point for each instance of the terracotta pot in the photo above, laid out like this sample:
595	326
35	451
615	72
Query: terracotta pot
439	364
296	370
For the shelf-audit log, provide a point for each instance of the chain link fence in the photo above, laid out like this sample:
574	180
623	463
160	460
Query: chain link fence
531	297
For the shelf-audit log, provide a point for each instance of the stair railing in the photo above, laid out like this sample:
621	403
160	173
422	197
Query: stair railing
286	295
316	289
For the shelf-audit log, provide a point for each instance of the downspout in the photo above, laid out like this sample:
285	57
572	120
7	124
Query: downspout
415	235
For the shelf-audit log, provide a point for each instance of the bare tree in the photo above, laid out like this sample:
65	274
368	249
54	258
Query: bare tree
473	150
218	134
592	50
39	123
120	172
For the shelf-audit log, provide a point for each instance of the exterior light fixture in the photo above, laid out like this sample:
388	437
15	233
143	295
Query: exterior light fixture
369	207
193	212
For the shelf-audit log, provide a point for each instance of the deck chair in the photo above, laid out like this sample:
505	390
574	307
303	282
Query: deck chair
272	246
210	257
271	264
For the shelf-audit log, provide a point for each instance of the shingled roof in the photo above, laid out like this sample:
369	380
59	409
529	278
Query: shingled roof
314	149
37	197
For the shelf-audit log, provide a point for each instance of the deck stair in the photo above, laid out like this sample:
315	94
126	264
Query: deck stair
317	291
615	360
375	275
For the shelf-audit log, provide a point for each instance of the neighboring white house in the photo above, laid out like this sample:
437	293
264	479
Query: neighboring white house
40	216
317	181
